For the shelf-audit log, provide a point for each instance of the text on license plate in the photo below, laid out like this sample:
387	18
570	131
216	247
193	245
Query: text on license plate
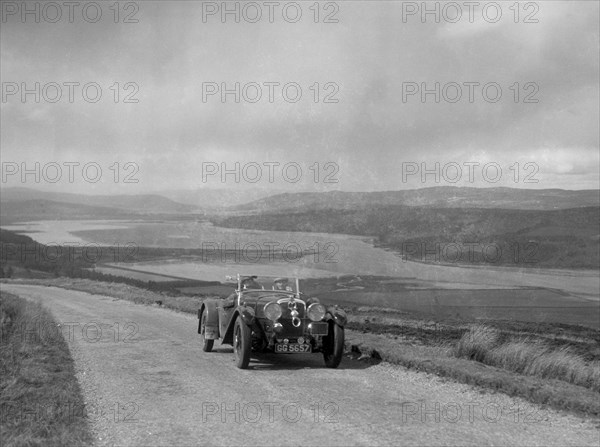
292	348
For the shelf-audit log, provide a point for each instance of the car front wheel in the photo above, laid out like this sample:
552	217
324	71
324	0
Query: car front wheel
207	345
241	343
333	345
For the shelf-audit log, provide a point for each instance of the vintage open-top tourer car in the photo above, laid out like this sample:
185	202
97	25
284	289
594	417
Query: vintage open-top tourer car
269	314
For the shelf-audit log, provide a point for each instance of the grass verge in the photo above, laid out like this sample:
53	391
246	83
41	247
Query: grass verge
441	361
40	399
530	357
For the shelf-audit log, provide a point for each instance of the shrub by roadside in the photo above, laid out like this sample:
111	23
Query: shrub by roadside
441	361
528	357
40	399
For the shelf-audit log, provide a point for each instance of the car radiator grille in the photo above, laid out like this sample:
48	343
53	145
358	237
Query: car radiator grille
319	328
288	328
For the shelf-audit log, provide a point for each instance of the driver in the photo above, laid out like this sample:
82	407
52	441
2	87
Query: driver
250	283
247	283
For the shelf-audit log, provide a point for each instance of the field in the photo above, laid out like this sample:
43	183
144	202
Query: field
525	304
470	293
134	274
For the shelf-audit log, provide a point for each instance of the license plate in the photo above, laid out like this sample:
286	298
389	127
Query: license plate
292	348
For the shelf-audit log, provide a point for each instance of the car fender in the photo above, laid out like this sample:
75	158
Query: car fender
337	315
248	316
212	320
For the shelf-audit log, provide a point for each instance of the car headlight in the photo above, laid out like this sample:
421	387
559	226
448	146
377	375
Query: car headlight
316	311
272	311
312	300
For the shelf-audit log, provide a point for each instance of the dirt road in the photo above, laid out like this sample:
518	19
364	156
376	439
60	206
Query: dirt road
147	382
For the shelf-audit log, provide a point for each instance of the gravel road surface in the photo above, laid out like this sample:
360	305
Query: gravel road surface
146	382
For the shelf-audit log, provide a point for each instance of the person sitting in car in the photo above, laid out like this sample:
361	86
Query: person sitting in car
281	284
247	283
250	283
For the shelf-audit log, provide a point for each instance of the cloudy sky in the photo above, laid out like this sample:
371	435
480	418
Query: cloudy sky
373	62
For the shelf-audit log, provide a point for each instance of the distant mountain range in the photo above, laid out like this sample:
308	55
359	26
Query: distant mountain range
561	226
31	204
218	198
145	203
171	201
30	210
438	197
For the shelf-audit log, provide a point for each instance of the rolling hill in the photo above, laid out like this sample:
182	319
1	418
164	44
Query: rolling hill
29	210
548	238
145	203
208	198
438	197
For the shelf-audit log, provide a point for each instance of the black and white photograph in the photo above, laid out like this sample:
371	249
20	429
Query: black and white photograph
299	223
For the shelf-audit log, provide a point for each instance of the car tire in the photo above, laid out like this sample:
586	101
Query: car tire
333	346
241	343
207	345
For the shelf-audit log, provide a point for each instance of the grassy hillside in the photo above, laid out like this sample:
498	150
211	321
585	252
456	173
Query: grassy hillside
209	198
558	238
22	257
34	210
147	203
48	210
439	197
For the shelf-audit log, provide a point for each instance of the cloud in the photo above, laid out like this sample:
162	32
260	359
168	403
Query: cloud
170	54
